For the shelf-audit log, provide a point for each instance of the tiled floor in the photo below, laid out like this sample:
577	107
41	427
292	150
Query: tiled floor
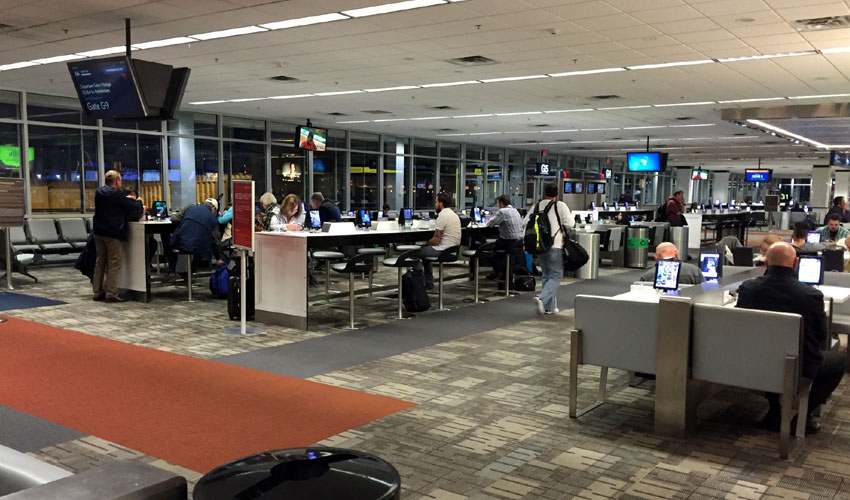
492	416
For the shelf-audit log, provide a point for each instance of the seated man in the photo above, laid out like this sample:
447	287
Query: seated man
446	235
833	231
195	233
510	232
798	239
689	274
779	290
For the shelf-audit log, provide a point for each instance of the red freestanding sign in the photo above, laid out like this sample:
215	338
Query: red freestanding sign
243	215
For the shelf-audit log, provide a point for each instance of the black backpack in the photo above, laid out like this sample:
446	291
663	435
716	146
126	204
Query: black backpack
414	296
538	236
661	213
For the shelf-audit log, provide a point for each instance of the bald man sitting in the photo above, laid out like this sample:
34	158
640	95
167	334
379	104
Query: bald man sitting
689	274
779	290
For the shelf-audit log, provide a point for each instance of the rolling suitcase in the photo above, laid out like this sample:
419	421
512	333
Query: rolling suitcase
234	294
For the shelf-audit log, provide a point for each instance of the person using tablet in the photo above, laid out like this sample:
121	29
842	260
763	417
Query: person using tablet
689	274
779	290
833	231
289	215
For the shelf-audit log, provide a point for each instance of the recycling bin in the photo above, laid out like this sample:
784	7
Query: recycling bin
637	246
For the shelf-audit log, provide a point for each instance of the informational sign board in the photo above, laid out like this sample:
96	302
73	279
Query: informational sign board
243	215
11	202
771	203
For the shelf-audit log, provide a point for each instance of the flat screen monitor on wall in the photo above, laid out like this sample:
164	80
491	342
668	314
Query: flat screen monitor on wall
312	138
646	162
758	175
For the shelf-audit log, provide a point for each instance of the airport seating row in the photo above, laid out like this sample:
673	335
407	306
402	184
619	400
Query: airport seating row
631	341
40	237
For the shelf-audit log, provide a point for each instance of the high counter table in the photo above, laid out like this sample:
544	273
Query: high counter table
280	265
134	283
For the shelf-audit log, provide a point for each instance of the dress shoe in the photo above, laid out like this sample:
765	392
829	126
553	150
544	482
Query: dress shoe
115	299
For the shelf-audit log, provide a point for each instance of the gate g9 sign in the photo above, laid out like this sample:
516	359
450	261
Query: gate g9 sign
243	214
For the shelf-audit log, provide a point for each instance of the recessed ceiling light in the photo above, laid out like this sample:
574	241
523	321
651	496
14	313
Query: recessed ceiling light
304	21
744	20
391	7
449	84
513	78
671	64
586	72
389	89
212	35
180	40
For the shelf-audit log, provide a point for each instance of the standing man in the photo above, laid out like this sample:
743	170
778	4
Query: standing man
510	231
675	208
779	290
552	262
840	207
328	211
446	235
112	211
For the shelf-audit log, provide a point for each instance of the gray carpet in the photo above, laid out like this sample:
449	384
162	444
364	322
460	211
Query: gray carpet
24	432
336	352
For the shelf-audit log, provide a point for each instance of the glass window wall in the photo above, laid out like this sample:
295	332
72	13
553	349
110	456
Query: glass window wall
449	179
424	177
364	181
244	161
395	183
329	176
60	179
288	171
10	150
10	106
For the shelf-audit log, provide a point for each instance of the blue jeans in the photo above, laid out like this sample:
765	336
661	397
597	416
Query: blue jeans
552	264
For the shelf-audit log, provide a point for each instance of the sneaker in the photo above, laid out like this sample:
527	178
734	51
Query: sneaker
539	304
555	311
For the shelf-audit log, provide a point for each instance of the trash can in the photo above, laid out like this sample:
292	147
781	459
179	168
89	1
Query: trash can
301	474
590	242
637	246
679	237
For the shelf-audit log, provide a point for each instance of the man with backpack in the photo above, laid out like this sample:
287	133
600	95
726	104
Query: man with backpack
546	226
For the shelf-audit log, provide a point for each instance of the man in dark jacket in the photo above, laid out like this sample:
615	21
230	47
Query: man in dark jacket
112	211
675	208
840	207
779	290
328	211
194	234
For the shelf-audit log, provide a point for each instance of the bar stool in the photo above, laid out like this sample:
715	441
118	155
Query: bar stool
188	254
407	259
448	255
407	248
483	250
374	252
361	263
510	252
328	256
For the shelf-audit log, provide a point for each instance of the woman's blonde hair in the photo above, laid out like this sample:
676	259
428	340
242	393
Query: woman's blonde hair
291	201
769	240
268	199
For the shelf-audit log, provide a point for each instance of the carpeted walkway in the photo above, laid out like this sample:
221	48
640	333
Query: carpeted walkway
312	357
192	412
10	301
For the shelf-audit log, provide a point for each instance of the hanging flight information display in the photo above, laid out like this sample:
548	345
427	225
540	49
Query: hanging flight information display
107	87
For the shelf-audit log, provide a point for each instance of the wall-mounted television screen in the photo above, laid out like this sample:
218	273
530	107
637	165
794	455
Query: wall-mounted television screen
568	187
699	175
591	188
312	138
646	162
107	88
839	158
758	175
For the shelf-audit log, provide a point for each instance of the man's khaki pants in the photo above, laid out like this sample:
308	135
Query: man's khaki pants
109	263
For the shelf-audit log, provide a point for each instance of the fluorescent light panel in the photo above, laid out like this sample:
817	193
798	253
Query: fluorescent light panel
768	56
56	59
304	21
551	112
818	96
212	35
787	133
700	103
449	84
642	106
293	96
513	78
520	113
180	40
341	92
757	99
389	89
671	64
391	7
586	72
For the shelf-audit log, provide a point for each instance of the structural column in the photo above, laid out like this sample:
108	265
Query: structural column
683	182
821	187
842	183
721	187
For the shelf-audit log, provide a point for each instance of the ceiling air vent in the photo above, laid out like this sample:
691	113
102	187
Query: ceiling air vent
540	125
472	61
447	130
441	107
336	113
739	134
822	23
605	97
685	118
377	112
283	78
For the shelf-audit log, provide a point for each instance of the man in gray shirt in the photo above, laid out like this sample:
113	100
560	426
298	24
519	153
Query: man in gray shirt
689	274
510	231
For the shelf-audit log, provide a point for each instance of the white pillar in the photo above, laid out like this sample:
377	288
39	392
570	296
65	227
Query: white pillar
821	187
842	183
721	187
683	182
